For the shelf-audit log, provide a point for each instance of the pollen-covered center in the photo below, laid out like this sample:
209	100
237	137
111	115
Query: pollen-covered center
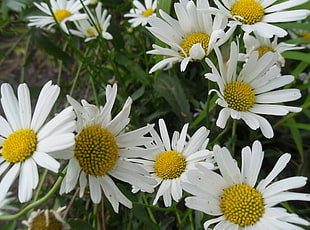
169	165
262	50
248	11
148	12
91	31
96	150
61	14
19	145
45	220
242	204
192	39
239	96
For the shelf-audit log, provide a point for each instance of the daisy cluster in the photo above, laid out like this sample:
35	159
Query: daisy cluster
93	150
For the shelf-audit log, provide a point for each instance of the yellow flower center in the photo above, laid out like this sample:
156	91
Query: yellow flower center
169	165
251	11
305	35
239	96
262	50
193	39
61	14
45	221
242	204
19	145
96	150
148	12
91	32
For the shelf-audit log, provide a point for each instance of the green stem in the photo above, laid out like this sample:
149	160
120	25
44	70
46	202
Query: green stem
42	179
149	210
219	135
22	74
36	203
233	137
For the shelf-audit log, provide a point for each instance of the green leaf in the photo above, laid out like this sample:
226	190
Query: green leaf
80	225
50	47
296	135
298	125
17	5
9	226
292	25
171	89
164	5
297	56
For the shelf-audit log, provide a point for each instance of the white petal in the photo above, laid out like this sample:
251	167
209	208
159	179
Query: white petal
196	52
251	163
280	165
56	143
164	134
8	180
286	16
113	194
223	117
278	96
46	161
6	129
46	100
94	187
10	106
24	105
227	165
208	205
28	180
71	177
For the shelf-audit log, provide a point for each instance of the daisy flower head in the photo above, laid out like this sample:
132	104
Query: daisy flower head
264	45
236	197
170	163
141	13
96	24
258	15
60	10
26	141
253	91
104	151
190	37
47	219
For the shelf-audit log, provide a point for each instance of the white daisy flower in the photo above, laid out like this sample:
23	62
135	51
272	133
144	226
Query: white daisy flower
93	26
264	45
256	15
141	13
235	198
26	141
172	160
103	151
191	37
253	91
62	10
47	219
5	204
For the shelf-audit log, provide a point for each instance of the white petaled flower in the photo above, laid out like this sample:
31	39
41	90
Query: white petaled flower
191	37
173	158
141	13
264	45
47	219
235	196
103	151
5	204
90	28
256	15
26	141
62	10
253	91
